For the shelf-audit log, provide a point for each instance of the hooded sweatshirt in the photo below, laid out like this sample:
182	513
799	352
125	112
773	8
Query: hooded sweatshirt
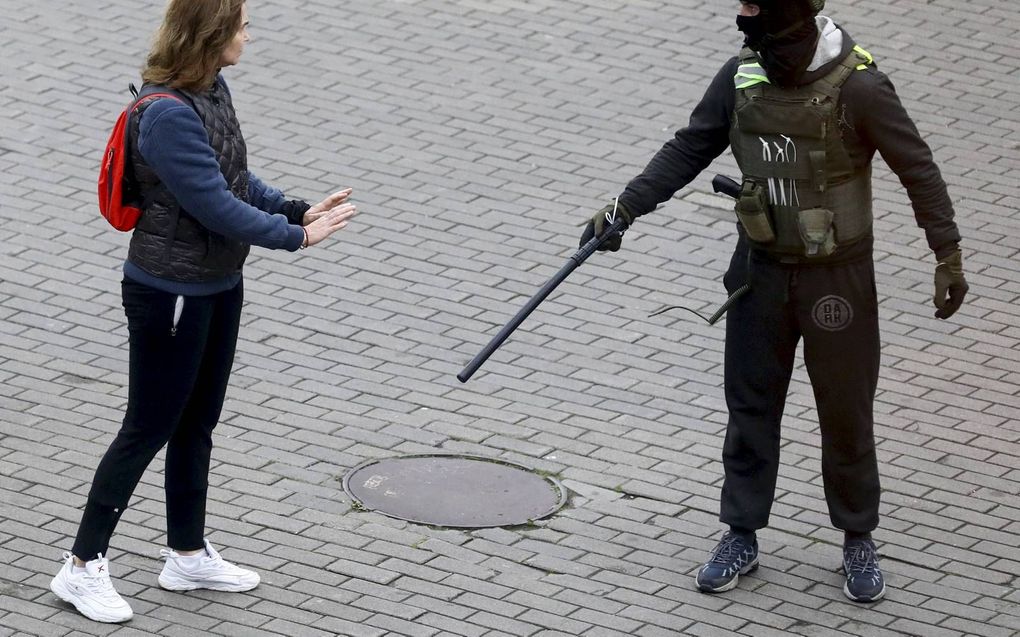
871	118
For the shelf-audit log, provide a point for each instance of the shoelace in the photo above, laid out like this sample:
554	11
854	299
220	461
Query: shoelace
98	583
95	583
727	550
215	561
203	556
863	561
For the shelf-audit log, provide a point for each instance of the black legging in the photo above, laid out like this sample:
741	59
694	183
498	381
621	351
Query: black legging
177	382
834	308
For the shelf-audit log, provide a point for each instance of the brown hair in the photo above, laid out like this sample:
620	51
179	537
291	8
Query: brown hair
186	51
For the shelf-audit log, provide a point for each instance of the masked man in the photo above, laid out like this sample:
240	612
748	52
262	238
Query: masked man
804	109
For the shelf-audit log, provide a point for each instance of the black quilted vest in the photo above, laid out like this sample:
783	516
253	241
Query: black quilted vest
168	242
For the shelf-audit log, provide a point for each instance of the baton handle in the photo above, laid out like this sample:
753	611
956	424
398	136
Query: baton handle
572	264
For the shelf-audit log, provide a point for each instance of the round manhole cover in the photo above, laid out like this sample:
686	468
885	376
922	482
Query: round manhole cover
454	490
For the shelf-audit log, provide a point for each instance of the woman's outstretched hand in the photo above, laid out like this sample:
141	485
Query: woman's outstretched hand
328	221
326	205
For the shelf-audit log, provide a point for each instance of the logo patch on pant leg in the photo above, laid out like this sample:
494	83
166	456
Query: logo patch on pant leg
832	313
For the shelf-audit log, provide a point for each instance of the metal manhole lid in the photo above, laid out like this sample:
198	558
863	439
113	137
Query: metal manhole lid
453	490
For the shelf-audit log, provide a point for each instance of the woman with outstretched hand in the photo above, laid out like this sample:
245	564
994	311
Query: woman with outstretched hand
182	294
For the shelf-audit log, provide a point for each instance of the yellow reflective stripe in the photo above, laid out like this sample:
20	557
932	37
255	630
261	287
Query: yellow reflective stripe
867	56
752	82
753	73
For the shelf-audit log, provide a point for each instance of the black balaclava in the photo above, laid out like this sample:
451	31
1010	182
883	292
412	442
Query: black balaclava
784	34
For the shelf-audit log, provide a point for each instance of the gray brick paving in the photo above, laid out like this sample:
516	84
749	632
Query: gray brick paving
477	136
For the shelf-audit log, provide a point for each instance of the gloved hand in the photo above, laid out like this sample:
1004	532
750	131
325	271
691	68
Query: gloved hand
602	220
949	278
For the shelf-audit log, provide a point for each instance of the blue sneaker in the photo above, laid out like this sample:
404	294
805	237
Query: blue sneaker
864	581
733	557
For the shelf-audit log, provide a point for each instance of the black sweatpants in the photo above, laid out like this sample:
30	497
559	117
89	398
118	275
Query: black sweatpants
177	382
834	308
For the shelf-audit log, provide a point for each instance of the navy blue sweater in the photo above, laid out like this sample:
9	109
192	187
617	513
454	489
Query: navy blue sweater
174	143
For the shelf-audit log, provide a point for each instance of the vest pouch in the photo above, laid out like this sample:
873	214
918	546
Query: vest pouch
815	225
752	210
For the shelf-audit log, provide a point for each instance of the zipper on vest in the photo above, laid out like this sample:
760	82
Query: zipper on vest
794	101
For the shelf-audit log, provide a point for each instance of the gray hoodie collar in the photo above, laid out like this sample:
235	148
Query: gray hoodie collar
830	43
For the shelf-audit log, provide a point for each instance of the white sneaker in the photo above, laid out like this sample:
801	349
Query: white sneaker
204	570
91	591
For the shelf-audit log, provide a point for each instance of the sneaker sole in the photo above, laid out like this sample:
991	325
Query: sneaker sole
66	596
864	600
730	585
170	585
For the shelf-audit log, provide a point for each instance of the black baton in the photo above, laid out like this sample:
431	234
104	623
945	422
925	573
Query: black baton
572	264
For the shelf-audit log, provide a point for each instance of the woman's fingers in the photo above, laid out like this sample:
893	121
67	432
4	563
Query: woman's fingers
326	204
336	218
343	211
336	198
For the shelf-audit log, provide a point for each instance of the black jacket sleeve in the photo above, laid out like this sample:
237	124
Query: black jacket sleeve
690	151
294	210
883	123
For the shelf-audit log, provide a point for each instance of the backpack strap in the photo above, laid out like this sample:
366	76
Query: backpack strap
857	60
151	92
148	93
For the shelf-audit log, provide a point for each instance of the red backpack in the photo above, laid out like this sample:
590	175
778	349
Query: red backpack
119	197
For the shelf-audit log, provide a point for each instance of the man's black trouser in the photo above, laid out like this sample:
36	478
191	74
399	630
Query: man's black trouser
176	386
834	308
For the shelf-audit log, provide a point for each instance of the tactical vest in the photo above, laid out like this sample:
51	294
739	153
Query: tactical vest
801	195
168	242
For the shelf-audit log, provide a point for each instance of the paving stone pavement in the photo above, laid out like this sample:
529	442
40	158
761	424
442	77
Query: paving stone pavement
477	135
